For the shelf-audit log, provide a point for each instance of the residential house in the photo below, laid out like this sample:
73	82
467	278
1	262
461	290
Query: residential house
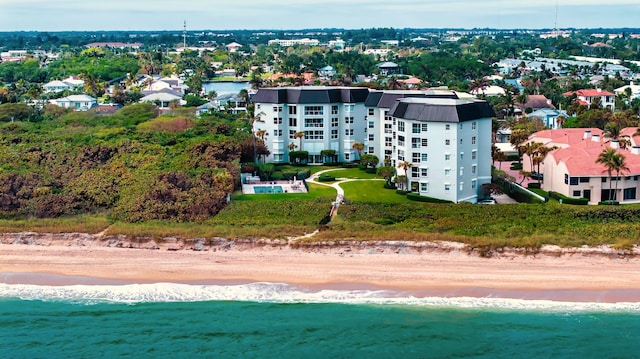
231	103
76	102
447	142
327	72
586	97
549	117
633	89
163	98
71	83
233	47
389	68
171	83
536	102
491	90
331	118
574	172
561	138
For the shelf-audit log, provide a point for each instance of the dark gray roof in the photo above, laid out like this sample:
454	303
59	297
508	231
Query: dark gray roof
311	95
386	99
441	110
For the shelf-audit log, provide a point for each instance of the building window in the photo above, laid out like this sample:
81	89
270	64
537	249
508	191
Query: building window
414	172
292	134
401	126
293	110
461	126
277	120
447	142
461	141
348	120
415	142
415	157
425	157
371	137
371	112
372	150
473	140
278	157
388	128
474	184
573	181
425	142
473	169
349	108
400	140
313	110
372	124
584	179
604	179
461	186
424	172
566	179
473	125
447	127
348	132
400	155
447	171
629	193
447	157
387	142
346	156
424	187
314	135
334	134
425	126
447	187
461	171
474	155
415	128
314	122
277	133
293	122
462	156
577	193
334	122
334	110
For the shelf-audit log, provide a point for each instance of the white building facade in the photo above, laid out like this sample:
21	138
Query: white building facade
331	118
448	144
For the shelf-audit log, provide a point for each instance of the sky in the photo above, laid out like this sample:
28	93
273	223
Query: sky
90	15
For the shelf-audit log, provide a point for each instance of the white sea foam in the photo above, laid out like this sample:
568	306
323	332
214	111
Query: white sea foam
282	293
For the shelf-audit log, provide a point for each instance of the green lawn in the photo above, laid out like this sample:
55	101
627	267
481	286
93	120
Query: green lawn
352	173
313	169
370	191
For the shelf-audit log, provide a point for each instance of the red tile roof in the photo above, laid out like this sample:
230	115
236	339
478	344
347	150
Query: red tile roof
564	136
580	160
589	93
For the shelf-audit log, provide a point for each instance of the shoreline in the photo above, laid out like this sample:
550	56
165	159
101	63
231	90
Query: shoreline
425	269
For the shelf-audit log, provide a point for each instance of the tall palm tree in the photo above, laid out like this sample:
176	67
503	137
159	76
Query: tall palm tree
530	149
299	135
613	162
405	167
517	138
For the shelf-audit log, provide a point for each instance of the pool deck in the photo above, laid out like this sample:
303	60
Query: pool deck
287	186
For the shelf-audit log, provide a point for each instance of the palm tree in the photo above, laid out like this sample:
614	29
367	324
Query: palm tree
478	85
517	138
292	146
299	135
358	147
539	155
530	149
613	162
405	167
262	134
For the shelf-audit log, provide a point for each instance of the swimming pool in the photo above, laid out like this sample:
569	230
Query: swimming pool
267	189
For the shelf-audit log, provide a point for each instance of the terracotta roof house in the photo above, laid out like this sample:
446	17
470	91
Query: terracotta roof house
572	169
585	97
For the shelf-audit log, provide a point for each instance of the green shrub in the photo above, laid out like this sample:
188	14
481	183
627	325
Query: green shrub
304	174
326	178
568	200
533	185
417	197
370	170
401	192
516	166
288	175
389	185
608	203
513	157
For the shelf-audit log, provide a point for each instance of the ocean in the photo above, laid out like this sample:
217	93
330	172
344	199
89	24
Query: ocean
272	320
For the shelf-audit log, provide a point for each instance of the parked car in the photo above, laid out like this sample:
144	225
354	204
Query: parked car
537	176
487	201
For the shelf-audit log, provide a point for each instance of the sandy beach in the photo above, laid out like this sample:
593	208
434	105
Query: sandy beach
574	276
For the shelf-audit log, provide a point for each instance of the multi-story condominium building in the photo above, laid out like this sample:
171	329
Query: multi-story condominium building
445	136
331	118
381	135
445	146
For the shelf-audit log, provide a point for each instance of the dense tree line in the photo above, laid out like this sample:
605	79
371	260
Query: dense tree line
133	165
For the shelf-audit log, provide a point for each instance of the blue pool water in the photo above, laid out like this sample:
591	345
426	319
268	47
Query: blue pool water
267	189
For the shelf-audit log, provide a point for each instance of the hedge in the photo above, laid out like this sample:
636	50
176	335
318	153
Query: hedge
389	185
513	157
516	166
401	192
326	178
608	203
417	197
533	185
304	174
568	200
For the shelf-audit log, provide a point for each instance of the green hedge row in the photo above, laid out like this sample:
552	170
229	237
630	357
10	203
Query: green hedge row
568	200
417	197
516	166
326	178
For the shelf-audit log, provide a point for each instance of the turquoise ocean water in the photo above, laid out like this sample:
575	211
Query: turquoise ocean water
264	320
